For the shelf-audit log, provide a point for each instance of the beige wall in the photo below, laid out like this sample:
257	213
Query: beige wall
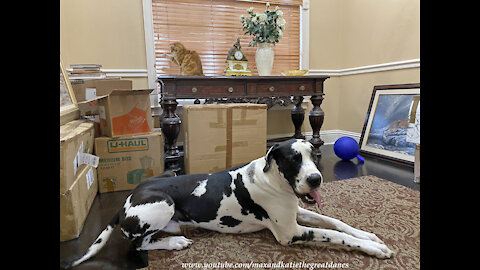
379	31
326	34
343	34
348	34
107	32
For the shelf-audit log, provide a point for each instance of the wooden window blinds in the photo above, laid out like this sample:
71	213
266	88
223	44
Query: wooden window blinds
211	27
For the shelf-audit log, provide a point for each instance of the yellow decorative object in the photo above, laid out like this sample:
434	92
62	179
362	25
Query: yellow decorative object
237	68
236	63
295	72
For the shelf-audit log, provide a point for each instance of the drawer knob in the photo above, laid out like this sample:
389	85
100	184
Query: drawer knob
271	89
301	88
230	89
194	90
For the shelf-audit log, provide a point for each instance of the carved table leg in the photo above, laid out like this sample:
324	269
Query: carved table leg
298	115
316	117
170	124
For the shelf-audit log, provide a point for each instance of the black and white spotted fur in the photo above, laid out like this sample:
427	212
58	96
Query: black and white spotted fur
261	194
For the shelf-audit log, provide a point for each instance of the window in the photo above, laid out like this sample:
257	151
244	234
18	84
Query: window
211	27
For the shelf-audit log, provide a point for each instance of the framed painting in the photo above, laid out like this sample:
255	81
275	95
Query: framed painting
68	103
384	133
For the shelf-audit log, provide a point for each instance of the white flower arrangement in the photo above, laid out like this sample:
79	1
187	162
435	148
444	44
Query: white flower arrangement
266	27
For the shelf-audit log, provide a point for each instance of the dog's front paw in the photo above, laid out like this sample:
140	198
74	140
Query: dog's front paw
385	252
179	242
378	250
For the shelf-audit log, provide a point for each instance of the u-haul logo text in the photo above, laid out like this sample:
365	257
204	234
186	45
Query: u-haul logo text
127	145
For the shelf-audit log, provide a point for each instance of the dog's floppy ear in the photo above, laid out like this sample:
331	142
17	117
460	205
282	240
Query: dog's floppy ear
269	156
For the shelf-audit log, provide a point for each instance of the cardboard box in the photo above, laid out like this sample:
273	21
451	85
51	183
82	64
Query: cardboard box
88	107
76	137
127	160
220	136
89	89
76	202
95	119
125	112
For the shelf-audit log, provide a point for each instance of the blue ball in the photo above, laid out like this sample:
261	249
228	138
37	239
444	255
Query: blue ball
346	148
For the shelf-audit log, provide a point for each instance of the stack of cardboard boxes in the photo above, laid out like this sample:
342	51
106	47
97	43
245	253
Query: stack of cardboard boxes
115	149
130	149
115	146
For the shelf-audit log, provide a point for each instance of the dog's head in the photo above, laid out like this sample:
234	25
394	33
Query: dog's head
294	160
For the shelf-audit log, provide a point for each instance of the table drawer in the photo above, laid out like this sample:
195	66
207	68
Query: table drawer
285	88
205	90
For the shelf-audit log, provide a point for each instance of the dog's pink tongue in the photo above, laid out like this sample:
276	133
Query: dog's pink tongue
318	198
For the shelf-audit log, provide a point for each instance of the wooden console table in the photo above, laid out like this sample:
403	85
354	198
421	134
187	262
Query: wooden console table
253	88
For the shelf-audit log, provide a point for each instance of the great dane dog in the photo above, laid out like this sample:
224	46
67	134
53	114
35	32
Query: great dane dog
261	194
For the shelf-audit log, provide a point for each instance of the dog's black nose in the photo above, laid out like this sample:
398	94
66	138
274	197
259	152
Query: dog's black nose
314	180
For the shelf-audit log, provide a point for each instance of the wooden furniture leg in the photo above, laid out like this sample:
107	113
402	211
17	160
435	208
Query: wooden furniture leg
170	124
316	117
298	115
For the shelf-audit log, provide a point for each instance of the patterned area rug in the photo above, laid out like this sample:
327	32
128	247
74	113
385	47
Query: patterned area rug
389	210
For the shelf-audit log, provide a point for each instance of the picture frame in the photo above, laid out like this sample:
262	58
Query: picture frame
68	103
385	129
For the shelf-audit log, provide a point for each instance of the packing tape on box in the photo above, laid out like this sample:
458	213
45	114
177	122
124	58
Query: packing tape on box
243	121
109	183
229	146
228	124
222	148
220	123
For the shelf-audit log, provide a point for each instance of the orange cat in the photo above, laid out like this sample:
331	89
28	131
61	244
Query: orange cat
189	61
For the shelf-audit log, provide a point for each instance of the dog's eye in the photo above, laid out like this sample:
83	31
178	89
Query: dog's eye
297	157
